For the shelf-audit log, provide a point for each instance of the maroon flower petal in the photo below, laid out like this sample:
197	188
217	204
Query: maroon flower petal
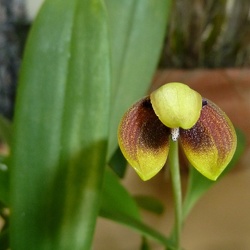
210	144
143	139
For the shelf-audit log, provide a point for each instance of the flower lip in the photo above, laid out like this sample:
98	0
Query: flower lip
177	105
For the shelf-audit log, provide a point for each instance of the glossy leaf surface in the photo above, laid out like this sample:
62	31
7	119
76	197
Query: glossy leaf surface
61	128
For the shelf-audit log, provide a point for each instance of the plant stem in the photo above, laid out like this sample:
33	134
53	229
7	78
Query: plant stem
176	185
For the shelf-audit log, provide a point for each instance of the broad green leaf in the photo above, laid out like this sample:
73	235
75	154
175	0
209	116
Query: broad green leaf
150	204
137	34
61	128
198	184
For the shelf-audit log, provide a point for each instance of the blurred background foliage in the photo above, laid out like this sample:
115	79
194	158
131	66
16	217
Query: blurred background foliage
210	34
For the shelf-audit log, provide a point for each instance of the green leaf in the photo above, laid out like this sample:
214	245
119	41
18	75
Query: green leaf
4	240
5	140
118	163
4	183
5	130
5	137
198	184
118	206
116	199
137	226
149	203
4	231
61	128
137	34
145	245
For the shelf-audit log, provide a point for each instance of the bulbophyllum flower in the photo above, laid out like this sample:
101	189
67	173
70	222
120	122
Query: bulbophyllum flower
176	112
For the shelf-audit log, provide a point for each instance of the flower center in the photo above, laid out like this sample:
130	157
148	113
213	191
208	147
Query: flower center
175	133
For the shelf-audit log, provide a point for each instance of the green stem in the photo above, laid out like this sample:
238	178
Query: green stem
176	184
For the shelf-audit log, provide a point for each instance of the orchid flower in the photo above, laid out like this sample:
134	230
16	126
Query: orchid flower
176	112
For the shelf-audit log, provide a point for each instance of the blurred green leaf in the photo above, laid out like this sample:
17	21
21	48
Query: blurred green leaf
61	128
198	184
4	229
144	245
137	34
4	183
5	139
5	130
149	203
4	240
